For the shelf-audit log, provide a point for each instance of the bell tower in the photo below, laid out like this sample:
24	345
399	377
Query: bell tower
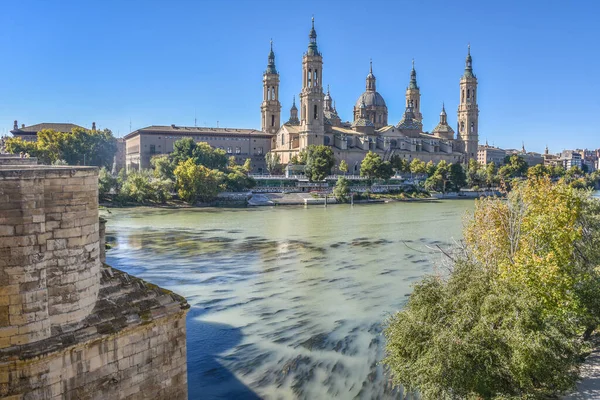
468	112
311	97
271	107
413	94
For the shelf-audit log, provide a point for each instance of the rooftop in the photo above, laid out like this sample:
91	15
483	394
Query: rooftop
195	130
34	129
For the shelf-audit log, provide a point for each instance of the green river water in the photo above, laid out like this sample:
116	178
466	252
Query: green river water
287	302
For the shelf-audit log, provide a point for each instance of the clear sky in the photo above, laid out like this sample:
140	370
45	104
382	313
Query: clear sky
167	62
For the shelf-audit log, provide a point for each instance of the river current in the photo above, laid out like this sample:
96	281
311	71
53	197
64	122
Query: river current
287	302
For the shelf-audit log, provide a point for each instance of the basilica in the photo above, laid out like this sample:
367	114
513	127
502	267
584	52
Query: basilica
317	120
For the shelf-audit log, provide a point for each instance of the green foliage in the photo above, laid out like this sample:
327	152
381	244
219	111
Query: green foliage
343	167
319	161
273	161
417	166
341	191
238	180
373	167
507	322
106	182
197	182
430	168
142	187
447	177
163	167
78	147
514	167
16	145
399	163
202	154
457	177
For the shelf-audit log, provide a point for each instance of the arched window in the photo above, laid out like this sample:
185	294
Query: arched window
316	112
462	126
472	127
468	93
416	104
272	120
282	139
463	95
474	96
309	77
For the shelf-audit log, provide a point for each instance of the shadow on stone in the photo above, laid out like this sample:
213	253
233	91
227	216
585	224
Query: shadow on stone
207	377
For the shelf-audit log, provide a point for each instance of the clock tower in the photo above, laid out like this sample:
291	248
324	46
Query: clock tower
468	113
312	97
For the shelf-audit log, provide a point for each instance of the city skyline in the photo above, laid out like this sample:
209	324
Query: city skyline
161	65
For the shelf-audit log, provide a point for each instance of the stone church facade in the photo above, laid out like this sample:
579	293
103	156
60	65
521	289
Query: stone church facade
317	120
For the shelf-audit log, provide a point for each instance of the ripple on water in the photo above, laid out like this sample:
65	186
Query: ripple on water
286	303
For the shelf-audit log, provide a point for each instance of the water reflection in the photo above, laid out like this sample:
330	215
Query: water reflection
286	303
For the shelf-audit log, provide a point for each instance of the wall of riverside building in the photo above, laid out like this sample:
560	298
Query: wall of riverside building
143	362
71	327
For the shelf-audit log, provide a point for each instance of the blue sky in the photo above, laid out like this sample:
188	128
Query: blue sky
165	62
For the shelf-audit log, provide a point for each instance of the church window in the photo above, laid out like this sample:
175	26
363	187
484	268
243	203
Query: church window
416	104
309	77
463	95
316	112
462	126
468	93
473	95
272	120
282	140
316	78
472	127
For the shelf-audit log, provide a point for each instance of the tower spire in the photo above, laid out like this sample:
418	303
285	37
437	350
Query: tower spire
469	64
312	40
271	62
413	77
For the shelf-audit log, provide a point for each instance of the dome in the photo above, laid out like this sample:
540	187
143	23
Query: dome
371	99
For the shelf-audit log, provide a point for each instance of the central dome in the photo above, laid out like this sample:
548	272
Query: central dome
370	99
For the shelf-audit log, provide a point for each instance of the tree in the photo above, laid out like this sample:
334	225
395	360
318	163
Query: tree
16	145
343	167
237	179
273	161
370	166
457	177
197	182
514	167
163	167
417	166
537	171
137	187
202	154
106	182
507	321
430	168
319	161
490	174
439	180
341	191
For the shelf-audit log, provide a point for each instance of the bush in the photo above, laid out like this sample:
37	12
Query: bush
341	190
509	319
106	182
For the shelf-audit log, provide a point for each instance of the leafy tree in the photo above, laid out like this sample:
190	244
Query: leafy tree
440	179
16	145
163	167
476	176
491	174
514	166
417	166
202	154
273	161
247	167
557	171
507	321
457	176
106	182
343	167
237	179
137	187
399	164
319	161
341	191
537	171
197	182
371	166
430	168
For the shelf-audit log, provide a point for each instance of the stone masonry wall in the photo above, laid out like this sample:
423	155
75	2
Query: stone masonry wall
70	327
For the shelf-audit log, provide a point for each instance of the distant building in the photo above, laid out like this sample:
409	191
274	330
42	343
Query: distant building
29	133
531	158
488	154
119	163
141	145
570	158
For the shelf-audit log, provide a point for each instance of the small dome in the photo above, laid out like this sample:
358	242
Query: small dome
371	99
362	122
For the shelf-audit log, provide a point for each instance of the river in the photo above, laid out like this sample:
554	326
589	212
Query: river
287	302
